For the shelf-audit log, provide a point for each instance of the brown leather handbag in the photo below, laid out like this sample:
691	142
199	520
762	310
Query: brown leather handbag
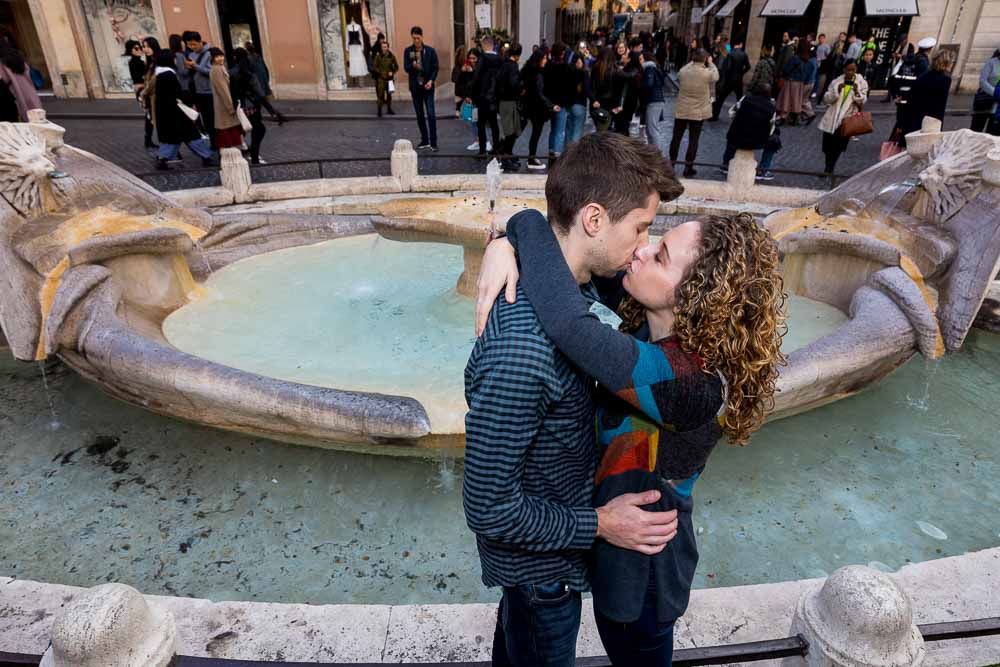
856	124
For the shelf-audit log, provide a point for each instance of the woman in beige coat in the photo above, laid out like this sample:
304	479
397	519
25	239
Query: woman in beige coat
228	131
845	96
694	105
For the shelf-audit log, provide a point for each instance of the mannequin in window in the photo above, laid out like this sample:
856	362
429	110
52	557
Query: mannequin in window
357	66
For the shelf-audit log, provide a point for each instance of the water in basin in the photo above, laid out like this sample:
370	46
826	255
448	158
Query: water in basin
367	314
899	473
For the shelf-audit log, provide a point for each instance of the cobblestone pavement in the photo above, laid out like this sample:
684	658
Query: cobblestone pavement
117	137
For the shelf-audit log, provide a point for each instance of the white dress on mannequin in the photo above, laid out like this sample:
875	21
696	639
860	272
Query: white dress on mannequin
355	51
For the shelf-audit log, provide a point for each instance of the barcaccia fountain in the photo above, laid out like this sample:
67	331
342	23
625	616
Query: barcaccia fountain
116	280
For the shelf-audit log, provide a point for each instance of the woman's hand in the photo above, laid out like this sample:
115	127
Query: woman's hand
499	268
616	111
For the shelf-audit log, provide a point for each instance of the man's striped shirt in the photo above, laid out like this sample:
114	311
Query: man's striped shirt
530	454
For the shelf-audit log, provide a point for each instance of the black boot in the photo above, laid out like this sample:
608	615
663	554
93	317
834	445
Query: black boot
208	162
388	109
161	164
380	111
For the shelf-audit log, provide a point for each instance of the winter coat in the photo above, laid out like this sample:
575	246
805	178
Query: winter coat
463	84
428	66
222	99
484	82
535	101
172	126
733	68
582	93
694	101
136	70
263	74
840	107
246	88
753	122
928	97
202	72
651	88
384	65
509	85
558	78
763	73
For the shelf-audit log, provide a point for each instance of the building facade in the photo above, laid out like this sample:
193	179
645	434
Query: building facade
78	45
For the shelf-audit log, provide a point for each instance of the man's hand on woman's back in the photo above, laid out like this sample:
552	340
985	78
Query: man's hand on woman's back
624	524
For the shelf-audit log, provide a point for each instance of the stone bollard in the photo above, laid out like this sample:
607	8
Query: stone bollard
860	617
50	132
111	624
404	163
742	171
235	174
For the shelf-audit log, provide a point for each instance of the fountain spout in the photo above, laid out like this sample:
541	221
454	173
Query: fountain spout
493	183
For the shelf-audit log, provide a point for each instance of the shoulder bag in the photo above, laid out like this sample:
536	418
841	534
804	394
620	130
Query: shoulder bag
187	111
856	124
241	115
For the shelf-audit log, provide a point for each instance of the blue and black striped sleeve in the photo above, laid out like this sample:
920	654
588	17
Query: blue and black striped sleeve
509	392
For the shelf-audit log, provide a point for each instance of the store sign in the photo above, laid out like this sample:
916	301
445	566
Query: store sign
885	31
891	7
642	22
785	8
484	17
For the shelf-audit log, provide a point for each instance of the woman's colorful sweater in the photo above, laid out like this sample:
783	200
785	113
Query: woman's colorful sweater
658	419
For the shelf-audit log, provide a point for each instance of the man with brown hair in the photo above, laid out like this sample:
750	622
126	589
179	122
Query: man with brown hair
530	452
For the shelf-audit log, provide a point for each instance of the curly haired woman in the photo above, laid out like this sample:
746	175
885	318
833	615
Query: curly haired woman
709	297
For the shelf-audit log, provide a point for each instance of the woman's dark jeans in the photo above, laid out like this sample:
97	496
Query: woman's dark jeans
537	125
256	134
537	627
645	642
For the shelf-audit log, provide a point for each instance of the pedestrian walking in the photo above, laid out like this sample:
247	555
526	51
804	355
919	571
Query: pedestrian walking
924	48
751	129
263	74
900	89
822	51
853	50
694	105
537	106
199	64
765	71
179	51
651	93
582	97
785	55
421	64
509	90
249	93
16	75
735	65
558	77
173	127
984	102
846	96
929	94
484	95
137	69
798	76
832	67
866	66
150	49
632	75
228	130
384	67
463	88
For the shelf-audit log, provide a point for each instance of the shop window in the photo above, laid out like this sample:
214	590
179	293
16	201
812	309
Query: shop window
348	29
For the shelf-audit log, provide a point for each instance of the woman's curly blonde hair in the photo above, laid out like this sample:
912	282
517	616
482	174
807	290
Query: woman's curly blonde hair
731	313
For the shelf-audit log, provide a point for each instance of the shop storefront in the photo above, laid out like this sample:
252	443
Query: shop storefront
348	29
886	22
800	17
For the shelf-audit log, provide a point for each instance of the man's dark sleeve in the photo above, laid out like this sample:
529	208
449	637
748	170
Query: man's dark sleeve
432	65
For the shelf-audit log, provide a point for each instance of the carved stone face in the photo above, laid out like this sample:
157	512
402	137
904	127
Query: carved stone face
954	175
24	168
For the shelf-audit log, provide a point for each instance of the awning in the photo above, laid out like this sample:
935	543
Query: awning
709	7
727	8
785	8
891	8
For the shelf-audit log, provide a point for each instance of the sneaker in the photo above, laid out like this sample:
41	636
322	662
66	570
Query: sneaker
535	163
724	171
175	160
423	146
690	172
161	165
489	146
434	149
766	176
474	146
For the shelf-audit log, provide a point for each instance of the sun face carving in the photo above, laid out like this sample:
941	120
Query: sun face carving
25	169
955	173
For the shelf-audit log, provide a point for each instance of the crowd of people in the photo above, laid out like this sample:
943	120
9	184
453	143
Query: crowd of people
192	94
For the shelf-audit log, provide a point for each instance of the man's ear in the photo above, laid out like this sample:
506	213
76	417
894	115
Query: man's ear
593	217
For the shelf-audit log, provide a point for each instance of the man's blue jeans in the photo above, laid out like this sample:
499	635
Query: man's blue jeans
199	147
423	104
537	626
645	642
577	119
557	132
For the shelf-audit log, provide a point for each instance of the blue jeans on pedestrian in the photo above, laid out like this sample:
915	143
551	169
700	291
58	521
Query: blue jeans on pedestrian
574	126
657	125
557	131
645	642
423	105
537	626
198	146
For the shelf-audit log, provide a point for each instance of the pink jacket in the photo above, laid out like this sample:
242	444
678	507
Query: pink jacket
23	90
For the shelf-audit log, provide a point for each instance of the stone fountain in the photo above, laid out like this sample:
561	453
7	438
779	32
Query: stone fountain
96	262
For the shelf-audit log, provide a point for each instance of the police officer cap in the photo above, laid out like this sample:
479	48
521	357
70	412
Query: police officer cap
927	43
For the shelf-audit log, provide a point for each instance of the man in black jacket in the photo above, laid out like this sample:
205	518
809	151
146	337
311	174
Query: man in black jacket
509	89
731	73
484	89
421	64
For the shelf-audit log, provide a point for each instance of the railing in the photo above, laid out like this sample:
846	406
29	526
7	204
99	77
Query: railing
686	657
833	179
